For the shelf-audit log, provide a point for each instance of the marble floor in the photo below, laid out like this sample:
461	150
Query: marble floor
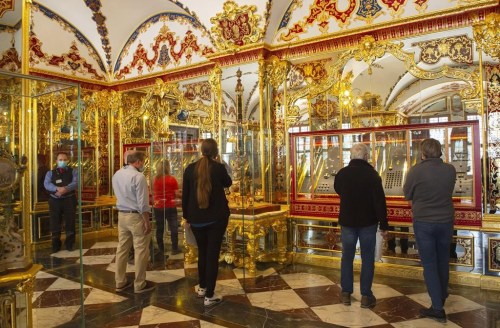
295	295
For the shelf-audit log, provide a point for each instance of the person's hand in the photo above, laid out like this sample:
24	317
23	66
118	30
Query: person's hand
61	190
384	233
147	226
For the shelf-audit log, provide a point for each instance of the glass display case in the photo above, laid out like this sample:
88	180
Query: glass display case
23	129
179	153
318	156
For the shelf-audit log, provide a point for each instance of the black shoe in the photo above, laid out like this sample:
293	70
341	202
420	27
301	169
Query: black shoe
368	302
438	315
56	245
345	298
70	248
147	287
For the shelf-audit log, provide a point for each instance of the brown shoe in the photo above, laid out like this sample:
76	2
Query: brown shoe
368	302
345	298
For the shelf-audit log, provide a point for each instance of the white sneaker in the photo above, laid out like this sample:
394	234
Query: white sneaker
211	301
201	292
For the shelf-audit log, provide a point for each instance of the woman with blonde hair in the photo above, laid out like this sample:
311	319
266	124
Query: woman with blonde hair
206	210
165	192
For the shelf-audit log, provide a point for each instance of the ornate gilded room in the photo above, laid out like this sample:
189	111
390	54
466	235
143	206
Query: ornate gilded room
286	88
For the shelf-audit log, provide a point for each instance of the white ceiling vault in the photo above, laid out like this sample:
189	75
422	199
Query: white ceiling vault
112	41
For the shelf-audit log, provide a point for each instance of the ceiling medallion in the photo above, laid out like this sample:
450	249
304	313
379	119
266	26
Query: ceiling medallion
6	5
236	26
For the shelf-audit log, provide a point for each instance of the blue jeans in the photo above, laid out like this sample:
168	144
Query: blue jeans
367	238
433	241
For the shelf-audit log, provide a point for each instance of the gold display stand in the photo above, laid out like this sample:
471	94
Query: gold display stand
16	293
251	228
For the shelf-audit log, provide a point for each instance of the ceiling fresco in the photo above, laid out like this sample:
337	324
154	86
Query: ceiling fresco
114	41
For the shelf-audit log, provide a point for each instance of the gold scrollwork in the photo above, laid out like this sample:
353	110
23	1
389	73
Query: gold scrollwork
236	26
276	71
161	106
370	50
62	104
487	35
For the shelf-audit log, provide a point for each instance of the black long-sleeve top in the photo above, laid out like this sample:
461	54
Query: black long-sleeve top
362	197
218	208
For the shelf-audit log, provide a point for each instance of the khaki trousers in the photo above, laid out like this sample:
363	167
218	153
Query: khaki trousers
131	232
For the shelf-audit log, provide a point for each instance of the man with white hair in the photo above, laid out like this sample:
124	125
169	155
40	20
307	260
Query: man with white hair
362	209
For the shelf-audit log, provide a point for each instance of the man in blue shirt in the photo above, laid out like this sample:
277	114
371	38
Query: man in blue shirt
61	183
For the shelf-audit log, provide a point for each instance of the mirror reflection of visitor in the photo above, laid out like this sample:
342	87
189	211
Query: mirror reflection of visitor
362	209
429	186
134	227
165	193
403	241
205	208
61	183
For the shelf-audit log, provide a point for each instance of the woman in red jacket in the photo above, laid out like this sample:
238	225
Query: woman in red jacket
165	192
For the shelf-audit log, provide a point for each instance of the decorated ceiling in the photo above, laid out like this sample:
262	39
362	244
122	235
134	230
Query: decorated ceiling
115	41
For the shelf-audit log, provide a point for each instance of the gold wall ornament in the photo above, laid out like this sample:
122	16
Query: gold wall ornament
487	35
236	26
369	50
215	82
457	48
277	71
60	106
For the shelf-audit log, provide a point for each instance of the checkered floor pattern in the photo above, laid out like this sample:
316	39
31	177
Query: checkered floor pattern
296	295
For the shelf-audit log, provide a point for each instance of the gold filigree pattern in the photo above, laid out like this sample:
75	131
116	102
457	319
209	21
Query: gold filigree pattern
276	71
198	90
236	26
457	48
214	81
98	110
487	35
6	5
62	104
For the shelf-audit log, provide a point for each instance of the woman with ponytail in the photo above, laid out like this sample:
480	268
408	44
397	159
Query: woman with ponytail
206	210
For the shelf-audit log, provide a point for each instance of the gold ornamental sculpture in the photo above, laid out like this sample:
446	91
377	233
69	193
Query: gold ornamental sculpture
236	26
487	35
12	244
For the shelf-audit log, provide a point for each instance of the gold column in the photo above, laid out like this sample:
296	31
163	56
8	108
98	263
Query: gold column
263	130
216	88
487	37
276	73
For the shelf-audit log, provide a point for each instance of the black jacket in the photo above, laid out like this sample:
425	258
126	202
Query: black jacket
218	208
362	197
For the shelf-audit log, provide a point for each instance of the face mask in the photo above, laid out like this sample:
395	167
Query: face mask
141	168
62	164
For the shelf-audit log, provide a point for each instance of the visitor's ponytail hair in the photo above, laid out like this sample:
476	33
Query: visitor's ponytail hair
202	169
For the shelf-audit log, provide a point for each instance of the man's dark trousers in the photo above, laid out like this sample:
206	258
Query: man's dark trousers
62	209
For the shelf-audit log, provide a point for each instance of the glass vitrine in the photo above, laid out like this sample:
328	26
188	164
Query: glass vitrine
318	156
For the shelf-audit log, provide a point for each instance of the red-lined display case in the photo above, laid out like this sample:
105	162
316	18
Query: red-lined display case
317	156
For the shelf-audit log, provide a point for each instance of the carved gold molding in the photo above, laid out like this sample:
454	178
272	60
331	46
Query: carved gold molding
276	71
369	50
236	26
487	35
